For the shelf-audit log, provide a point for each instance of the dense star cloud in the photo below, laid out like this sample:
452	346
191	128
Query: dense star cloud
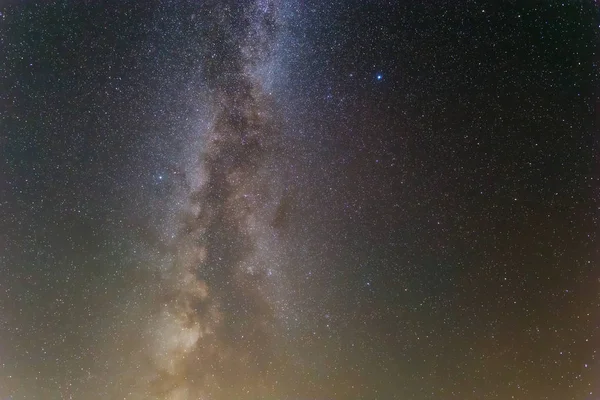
280	199
218	301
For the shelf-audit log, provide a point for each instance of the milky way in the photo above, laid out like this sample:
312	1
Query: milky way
217	319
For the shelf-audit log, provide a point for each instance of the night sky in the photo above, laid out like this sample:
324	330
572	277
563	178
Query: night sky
299	200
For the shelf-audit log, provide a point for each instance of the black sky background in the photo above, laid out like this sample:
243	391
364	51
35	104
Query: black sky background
439	212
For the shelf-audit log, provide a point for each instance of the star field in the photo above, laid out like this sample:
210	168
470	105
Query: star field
271	199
